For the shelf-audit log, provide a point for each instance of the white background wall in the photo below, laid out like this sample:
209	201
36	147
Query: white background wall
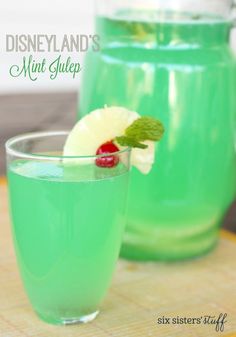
43	17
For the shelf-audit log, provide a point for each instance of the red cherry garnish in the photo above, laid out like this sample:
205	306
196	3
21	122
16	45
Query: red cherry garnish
107	161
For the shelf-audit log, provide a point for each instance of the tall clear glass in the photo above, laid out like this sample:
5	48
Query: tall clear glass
68	217
171	59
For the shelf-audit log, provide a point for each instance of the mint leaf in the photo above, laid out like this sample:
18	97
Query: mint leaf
145	128
128	141
142	129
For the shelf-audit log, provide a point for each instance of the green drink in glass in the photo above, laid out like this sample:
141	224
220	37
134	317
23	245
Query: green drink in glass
68	217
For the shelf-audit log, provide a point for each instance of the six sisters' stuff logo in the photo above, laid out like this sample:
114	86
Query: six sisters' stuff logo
217	321
32	68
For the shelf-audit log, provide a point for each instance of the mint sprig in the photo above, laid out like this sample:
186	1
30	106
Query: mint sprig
128	141
142	129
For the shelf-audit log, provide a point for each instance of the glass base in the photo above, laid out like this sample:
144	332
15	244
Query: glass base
68	320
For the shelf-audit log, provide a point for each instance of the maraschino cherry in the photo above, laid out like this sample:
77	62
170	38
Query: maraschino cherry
107	161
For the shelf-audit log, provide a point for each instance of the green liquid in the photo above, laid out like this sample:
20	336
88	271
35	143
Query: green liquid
67	225
182	72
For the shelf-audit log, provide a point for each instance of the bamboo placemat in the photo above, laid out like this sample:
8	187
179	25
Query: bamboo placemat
140	294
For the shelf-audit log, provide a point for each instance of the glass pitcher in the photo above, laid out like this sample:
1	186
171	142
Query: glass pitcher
171	60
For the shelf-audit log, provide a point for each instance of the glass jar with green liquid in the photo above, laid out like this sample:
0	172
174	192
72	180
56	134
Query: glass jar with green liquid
171	60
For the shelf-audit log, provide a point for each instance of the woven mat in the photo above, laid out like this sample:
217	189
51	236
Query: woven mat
140	294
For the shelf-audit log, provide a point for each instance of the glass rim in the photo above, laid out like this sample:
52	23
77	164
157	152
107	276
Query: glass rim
41	134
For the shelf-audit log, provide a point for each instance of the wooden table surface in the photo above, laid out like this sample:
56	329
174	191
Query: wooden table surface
140	294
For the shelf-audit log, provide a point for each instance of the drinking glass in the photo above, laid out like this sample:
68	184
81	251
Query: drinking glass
68	217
